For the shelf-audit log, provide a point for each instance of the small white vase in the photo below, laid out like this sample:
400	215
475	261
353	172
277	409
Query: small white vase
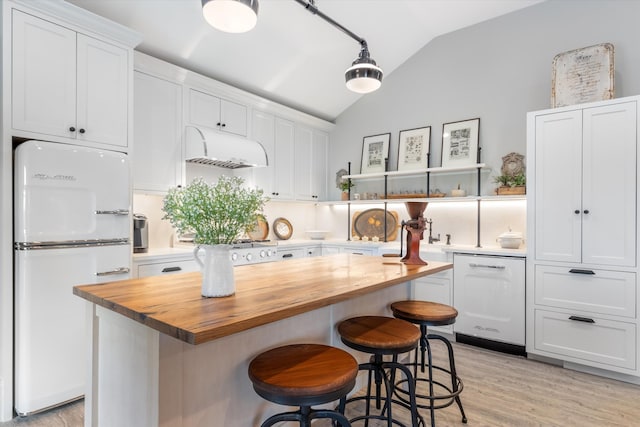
217	270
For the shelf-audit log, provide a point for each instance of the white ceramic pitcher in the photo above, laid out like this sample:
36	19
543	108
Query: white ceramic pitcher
217	270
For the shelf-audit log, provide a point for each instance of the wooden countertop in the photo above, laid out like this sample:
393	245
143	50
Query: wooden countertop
265	293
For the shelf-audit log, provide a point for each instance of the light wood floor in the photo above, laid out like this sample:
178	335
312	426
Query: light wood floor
499	390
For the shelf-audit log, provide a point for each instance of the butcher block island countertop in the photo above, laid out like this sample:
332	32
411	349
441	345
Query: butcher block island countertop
265	293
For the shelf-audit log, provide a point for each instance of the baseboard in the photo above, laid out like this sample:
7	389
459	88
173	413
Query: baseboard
518	350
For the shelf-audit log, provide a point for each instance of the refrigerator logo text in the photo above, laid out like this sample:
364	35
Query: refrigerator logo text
45	177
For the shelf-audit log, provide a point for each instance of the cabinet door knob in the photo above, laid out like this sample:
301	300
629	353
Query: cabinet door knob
586	211
72	129
576	212
224	124
218	124
81	130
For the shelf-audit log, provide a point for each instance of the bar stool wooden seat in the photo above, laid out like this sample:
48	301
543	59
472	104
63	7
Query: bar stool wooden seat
382	336
304	375
425	314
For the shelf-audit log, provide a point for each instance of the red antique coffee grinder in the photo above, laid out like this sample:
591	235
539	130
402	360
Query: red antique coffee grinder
415	229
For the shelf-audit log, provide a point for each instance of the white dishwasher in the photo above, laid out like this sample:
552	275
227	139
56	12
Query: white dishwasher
489	294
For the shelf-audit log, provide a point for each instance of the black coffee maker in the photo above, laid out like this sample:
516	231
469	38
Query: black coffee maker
140	234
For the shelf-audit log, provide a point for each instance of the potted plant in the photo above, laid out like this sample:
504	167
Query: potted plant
345	185
511	184
218	215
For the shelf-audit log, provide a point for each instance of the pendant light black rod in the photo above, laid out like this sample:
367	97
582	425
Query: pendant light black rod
311	7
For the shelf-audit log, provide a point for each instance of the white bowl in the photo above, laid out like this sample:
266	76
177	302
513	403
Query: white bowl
510	240
317	234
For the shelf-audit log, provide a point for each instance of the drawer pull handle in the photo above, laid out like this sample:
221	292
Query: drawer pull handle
582	319
497	267
120	270
581	271
171	269
357	253
287	256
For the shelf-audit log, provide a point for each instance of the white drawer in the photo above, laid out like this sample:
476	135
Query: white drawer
603	292
357	251
292	253
161	268
605	342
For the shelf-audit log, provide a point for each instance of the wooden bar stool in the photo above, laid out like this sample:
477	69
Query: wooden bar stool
382	336
304	375
425	314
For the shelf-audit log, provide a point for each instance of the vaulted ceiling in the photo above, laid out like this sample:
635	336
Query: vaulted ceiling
292	56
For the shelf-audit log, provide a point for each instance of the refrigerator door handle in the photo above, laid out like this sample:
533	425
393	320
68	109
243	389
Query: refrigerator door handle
121	270
114	212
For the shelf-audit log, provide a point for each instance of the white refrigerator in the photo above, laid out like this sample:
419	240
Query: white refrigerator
71	226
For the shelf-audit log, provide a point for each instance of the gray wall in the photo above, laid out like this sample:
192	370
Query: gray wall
497	70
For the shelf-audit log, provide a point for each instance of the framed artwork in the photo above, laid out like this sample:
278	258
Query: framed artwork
413	149
460	143
375	152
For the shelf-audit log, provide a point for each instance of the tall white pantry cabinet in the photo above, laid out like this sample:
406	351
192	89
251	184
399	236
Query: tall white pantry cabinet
582	269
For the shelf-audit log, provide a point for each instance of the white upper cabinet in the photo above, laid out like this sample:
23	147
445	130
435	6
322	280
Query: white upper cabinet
303	162
585	185
263	131
283	163
216	113
102	85
319	165
66	84
310	163
157	152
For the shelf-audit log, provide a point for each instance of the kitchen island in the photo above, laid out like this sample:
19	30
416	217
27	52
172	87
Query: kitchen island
163	355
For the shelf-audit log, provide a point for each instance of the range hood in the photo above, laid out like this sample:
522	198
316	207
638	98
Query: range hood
208	147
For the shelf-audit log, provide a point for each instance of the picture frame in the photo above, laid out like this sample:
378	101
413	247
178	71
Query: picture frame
375	153
460	143
413	149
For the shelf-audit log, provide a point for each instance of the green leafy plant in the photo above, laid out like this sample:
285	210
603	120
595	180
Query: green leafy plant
218	213
511	180
346	184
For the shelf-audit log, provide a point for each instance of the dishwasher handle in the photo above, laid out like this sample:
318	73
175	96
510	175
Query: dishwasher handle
493	266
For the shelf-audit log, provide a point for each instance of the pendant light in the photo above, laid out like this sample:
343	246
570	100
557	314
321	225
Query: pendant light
364	75
231	16
239	16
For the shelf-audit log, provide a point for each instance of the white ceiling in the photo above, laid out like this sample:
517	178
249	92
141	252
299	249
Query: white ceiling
292	56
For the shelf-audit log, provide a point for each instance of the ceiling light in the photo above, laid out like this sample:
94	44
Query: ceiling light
239	16
364	75
231	16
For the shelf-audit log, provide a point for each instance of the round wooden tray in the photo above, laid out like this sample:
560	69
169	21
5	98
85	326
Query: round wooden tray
370	223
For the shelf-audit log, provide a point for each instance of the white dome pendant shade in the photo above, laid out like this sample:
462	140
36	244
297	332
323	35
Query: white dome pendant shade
231	16
364	75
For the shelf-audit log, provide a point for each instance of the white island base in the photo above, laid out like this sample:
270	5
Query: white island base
143	378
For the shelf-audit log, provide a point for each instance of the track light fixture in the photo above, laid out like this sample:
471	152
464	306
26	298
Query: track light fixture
238	16
231	16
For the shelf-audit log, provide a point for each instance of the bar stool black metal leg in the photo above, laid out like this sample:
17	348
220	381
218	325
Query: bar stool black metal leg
455	389
423	346
432	401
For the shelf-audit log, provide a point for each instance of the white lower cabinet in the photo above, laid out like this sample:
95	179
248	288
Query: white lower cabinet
285	254
590	290
586	339
586	315
146	269
330	250
435	288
